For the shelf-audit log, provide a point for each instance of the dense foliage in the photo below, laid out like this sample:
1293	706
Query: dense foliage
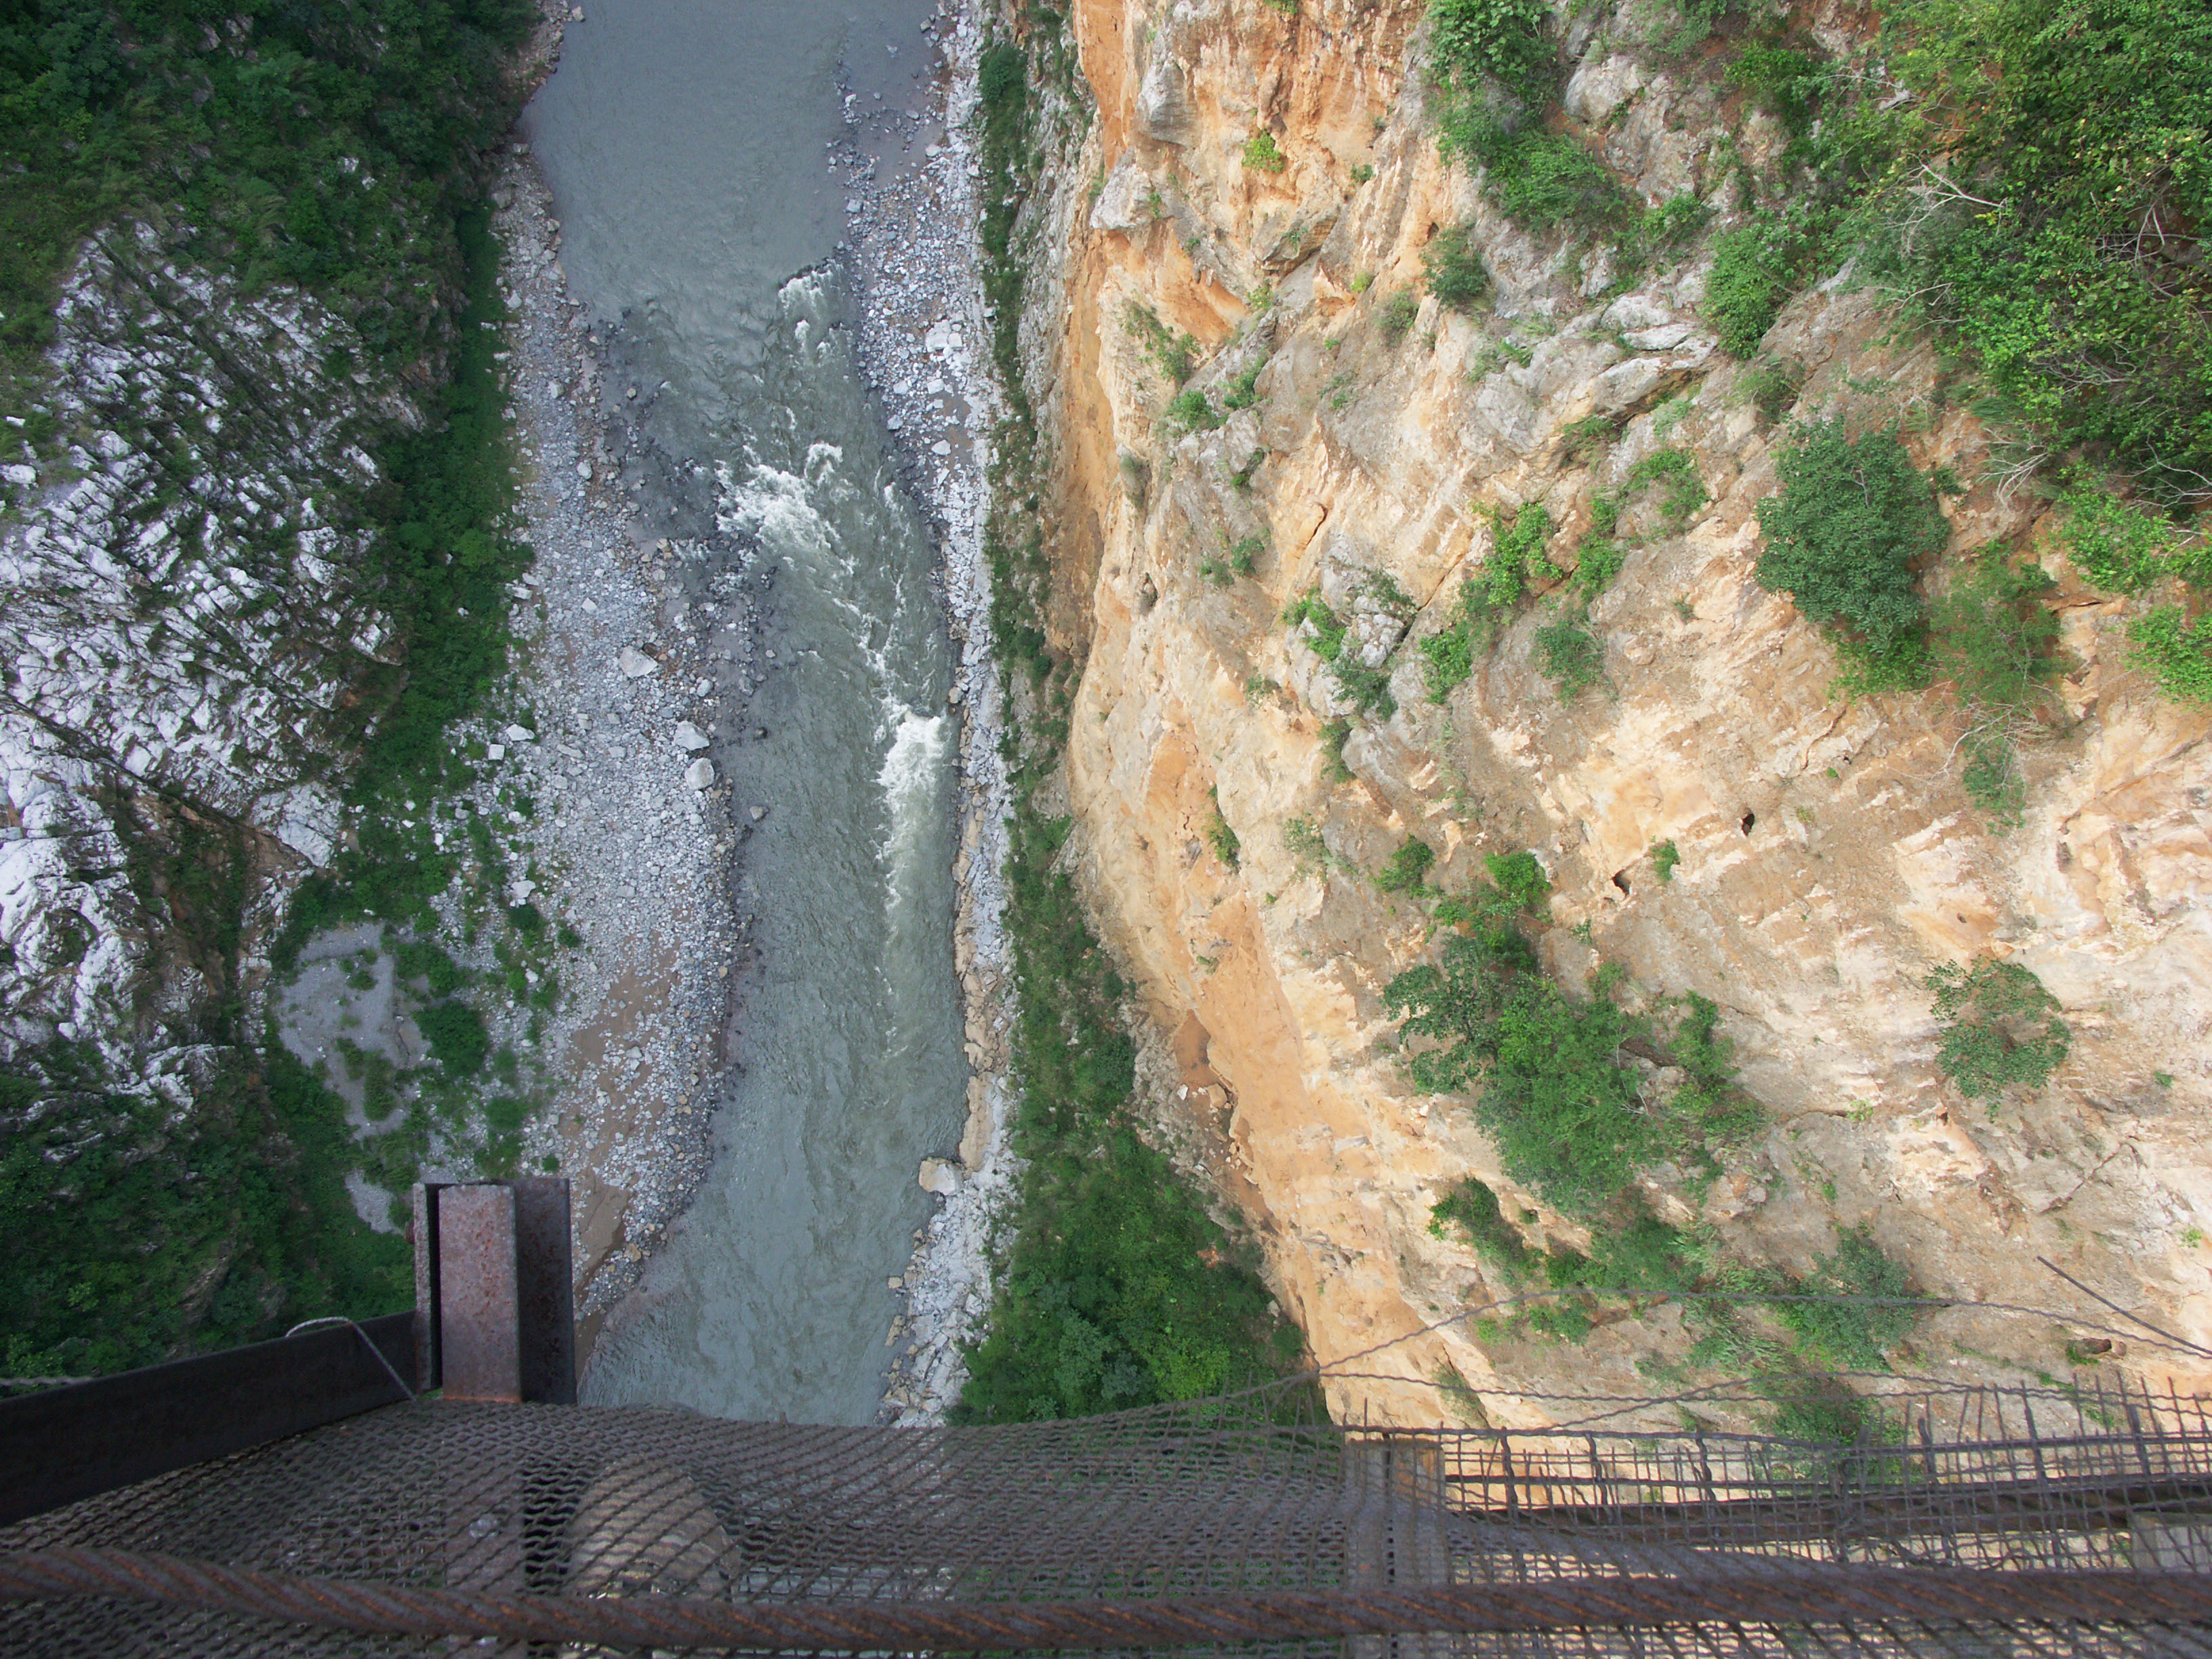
2001	1028
322	146
2055	237
1116	1287
1852	516
139	1233
336	149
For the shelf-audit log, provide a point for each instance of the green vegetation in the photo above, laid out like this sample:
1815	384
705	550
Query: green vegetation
1455	274
1495	69
1190	411
2177	650
1218	835
1571	657
1853	1333
1407	870
2003	1027
141	1235
1488	598
1115	1288
1665	856
1997	643
2057	138
329	150
1174	352
1397	315
1842	535
1756	268
338	150
1367	688
1244	390
1684	490
1771	386
1472	1208
2123	549
1261	154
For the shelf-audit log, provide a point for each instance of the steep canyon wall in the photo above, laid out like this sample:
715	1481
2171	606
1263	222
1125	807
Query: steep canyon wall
1828	858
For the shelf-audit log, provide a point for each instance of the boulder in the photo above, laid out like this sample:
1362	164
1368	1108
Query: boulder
634	663
690	738
700	775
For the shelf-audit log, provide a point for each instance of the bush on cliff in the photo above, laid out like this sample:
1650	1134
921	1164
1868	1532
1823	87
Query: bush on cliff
1852	516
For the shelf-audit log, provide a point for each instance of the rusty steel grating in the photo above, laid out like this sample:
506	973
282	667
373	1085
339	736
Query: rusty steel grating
1226	1525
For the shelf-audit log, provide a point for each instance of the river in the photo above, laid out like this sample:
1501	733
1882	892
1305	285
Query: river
684	143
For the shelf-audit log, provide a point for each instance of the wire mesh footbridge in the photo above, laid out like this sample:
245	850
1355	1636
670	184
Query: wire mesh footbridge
1980	1525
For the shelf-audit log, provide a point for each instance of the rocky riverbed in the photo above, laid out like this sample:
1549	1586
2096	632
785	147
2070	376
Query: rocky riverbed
913	215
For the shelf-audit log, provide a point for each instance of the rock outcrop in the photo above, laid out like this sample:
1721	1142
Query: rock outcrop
1828	857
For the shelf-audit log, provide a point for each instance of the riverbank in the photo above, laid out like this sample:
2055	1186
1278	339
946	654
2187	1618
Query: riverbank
912	210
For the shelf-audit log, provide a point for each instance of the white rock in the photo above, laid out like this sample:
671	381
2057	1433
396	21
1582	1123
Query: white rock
22	476
634	663
757	813
495	750
1122	205
689	736
519	734
936	1176
700	775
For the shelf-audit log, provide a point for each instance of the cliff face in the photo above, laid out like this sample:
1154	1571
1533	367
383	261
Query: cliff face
1828	857
184	614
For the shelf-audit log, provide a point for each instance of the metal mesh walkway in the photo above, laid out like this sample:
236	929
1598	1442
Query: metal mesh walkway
2042	1526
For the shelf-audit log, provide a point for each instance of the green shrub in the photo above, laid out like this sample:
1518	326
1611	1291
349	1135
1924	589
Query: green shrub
1473	42
1852	515
2177	650
1771	387
1397	315
1685	490
1301	839
1756	268
1644	1254
1472	1208
1261	154
1787	83
1454	269
1995	639
1546	181
1244	390
527	919
1665	855
1334	733
2045	267
1520	877
1855	1333
1190	411
1586	440
1448	657
1220	836
1570	654
1516	553
1598	560
1663	232
424	959
1407	870
2004	1028
456	1036
1367	688
1174	352
1555	1097
2118	545
1991	776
